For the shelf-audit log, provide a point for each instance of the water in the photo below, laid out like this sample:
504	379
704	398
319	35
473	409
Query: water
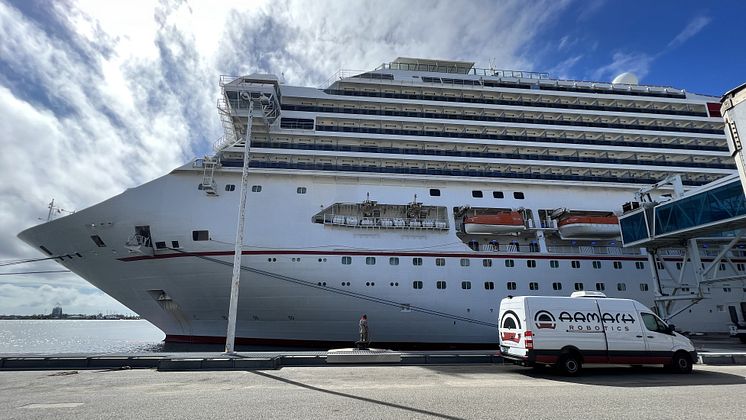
79	336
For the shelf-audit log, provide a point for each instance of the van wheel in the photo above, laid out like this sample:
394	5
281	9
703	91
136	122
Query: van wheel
681	363
569	364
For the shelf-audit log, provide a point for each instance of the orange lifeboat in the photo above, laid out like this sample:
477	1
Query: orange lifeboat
589	226
505	222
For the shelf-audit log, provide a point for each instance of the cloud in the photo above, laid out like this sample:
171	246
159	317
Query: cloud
637	63
101	96
691	29
28	300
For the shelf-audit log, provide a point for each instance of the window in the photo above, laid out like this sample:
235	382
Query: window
394	261
487	263
230	187
465	262
511	285
256	188
533	286
440	284
301	190
600	287
160	245
659	265
440	262
498	194
466	285
370	260
679	265
477	194
554	263
740	267
597	264
489	285
417	284
174	244
346	260
644	287
533	247
618	265
579	286
557	285
531	263
639	265
726	289
518	195
434	192
416	261
652	323
721	267
621	286
509	263
200	235
575	264
98	241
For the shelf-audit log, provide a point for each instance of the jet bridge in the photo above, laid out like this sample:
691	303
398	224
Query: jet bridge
704	227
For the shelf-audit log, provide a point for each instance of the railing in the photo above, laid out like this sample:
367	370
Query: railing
592	250
383	222
519	74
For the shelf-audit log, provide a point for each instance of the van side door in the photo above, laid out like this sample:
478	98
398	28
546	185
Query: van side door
624	332
658	339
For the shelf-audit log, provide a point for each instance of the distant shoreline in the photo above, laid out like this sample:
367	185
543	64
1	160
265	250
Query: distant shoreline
72	318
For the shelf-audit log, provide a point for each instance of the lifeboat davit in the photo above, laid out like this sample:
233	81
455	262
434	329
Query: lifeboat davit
589	227
507	222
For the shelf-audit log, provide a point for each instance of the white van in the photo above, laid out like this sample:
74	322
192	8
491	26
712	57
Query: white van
588	327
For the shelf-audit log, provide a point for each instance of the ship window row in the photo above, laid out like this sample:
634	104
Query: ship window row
657	143
492	155
558	119
486	262
498	194
689	179
519	102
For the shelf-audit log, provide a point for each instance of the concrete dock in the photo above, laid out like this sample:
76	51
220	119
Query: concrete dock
473	391
717	350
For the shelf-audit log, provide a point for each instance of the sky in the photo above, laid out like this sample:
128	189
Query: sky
99	96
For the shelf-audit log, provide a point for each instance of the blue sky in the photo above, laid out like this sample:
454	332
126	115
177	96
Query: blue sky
98	96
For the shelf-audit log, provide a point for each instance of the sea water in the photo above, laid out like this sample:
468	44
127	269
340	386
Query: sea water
79	336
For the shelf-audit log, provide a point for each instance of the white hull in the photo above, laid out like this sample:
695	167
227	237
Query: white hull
283	311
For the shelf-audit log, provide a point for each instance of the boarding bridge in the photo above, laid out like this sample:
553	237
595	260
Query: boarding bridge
704	226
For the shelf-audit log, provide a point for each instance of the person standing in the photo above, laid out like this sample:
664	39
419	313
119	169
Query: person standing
364	338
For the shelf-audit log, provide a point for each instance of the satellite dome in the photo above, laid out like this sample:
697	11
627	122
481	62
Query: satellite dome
626	79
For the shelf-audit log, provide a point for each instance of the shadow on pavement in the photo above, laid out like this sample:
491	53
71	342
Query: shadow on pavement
355	397
636	377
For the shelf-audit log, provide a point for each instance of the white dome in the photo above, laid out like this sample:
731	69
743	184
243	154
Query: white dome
626	79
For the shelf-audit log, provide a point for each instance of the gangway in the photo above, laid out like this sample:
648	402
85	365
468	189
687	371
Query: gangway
703	228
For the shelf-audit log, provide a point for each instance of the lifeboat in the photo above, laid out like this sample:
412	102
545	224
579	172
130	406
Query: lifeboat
589	227
506	222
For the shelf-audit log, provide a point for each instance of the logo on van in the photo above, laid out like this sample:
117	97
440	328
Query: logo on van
509	322
545	320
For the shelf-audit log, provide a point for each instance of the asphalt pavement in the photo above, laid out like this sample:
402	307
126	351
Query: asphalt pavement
472	391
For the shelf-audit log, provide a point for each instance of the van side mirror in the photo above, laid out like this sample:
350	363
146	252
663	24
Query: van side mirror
671	328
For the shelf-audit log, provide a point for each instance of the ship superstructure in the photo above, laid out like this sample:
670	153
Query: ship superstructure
419	193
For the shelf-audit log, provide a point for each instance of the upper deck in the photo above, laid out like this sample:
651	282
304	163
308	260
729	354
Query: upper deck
449	118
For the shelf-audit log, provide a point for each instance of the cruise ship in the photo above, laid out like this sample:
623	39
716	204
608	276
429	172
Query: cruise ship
420	193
